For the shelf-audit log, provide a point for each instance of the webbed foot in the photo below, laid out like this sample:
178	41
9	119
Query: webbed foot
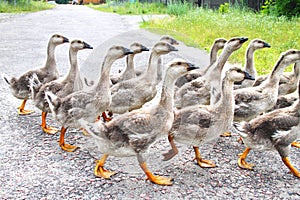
99	171
50	130
68	147
24	112
160	180
242	162
226	134
205	163
296	144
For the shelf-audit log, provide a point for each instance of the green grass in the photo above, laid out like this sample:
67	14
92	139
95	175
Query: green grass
200	27
24	6
128	8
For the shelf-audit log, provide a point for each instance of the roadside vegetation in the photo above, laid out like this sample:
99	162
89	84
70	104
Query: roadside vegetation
18	6
128	8
199	27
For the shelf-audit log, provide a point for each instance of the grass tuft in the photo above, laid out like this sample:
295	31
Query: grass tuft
24	6
131	8
200	27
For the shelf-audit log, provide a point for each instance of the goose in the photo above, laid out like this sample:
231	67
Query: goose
218	44
249	58
199	124
133	133
160	66
198	91
129	71
167	39
252	101
287	99
84	104
61	87
20	86
288	81
134	93
275	130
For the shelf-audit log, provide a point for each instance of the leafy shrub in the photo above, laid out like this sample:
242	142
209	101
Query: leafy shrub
288	8
224	8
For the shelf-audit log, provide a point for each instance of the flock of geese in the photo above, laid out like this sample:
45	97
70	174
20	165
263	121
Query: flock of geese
195	105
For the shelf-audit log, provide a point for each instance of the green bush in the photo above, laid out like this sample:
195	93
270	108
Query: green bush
288	8
224	8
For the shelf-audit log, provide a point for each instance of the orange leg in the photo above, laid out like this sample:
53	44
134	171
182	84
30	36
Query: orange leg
242	163
21	110
47	129
65	147
155	179
200	161
296	144
172	152
99	170
294	171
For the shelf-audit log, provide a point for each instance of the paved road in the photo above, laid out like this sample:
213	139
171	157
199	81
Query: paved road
32	166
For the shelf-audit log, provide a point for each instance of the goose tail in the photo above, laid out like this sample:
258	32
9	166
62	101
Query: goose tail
6	78
92	128
238	127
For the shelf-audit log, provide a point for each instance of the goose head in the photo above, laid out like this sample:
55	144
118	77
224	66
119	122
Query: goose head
168	39
235	43
220	43
179	67
290	56
258	44
118	52
77	45
236	74
162	48
58	39
137	48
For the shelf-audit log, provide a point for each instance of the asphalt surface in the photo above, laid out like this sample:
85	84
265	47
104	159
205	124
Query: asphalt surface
32	165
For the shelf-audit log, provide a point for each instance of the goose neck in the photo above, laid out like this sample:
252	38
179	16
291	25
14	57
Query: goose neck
274	77
249	66
74	65
223	59
104	79
151	72
213	54
167	93
74	74
50	62
226	101
297	70
129	65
